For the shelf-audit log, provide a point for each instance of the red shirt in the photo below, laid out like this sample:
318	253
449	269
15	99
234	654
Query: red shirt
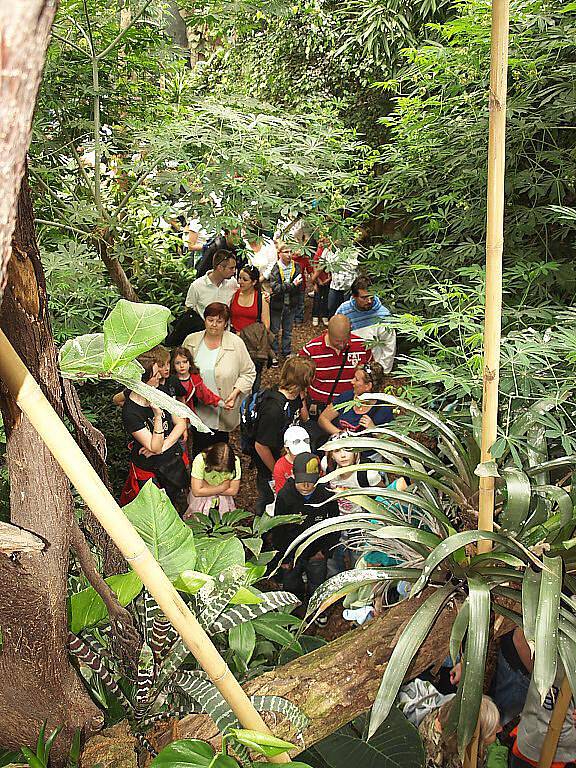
241	317
282	472
328	363
305	267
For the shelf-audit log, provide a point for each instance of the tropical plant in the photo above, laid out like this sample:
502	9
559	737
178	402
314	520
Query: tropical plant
214	578
200	754
431	529
39	758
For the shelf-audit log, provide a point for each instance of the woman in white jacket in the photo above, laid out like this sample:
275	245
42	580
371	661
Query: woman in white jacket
226	368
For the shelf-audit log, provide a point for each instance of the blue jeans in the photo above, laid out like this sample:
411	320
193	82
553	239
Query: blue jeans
282	319
299	316
335	298
320	304
509	689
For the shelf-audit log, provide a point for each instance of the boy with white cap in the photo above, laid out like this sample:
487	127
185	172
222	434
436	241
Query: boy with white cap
296	441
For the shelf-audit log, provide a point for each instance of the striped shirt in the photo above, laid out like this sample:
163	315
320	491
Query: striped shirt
363	318
328	362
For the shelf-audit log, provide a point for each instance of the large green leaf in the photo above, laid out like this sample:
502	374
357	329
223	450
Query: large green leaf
191	753
517	504
84	357
474	659
457	541
131	329
164	532
87	607
546	629
395	744
217	555
404	651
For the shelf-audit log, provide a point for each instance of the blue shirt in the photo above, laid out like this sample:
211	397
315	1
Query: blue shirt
362	318
349	419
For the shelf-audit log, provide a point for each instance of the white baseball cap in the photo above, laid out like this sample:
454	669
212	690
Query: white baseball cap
297	440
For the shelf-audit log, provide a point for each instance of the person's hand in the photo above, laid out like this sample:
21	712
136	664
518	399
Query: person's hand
366	422
230	402
456	673
318	556
297	279
157	411
146	453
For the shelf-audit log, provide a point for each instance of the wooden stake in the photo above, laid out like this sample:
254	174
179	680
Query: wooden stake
494	247
471	752
62	445
550	744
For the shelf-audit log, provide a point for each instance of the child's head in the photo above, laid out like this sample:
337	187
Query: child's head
306	472
343	457
156	364
296	375
296	441
220	458
284	252
183	362
490	727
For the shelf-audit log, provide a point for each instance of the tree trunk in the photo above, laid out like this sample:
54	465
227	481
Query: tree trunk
116	271
24	31
37	681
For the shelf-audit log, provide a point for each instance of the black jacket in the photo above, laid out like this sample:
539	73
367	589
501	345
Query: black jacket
291	502
279	288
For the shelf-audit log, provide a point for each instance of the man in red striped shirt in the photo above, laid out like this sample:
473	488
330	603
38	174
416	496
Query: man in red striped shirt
328	351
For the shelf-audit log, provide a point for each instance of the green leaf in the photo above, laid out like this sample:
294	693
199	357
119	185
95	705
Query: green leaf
275	632
517	504
191	582
164	532
87	607
459	629
217	555
404	651
254	544
185	753
83	355
264	743
131	329
546	629
474	659
396	744
453	544
242	640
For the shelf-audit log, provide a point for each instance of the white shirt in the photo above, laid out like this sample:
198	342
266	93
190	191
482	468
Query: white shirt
203	292
265	259
205	360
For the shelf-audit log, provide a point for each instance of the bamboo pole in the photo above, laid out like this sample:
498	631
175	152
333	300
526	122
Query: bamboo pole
471	751
494	247
550	743
62	445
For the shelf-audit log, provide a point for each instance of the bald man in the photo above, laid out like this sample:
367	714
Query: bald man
337	353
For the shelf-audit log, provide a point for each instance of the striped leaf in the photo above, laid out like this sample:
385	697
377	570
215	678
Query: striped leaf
86	655
144	680
474	659
162	638
546	629
282	707
271	601
411	639
348	581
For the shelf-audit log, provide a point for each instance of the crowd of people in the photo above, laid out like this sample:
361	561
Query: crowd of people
239	318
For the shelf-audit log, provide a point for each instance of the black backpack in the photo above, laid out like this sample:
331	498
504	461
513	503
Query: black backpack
215	244
250	411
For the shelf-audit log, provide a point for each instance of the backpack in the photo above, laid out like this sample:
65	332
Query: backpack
216	243
250	410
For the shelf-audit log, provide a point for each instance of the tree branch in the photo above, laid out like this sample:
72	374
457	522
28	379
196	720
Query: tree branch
119	36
